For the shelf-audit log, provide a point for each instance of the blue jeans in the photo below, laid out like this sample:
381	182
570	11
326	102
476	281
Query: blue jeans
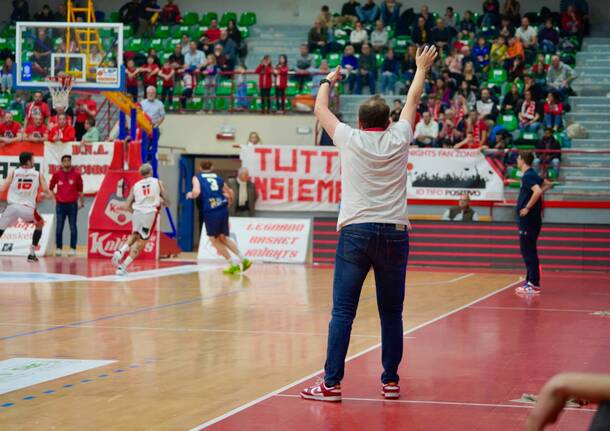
547	46
385	248
63	210
388	82
554	164
369	79
552	120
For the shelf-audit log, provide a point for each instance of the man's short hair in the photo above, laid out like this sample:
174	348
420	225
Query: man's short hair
25	157
206	165
527	157
66	156
146	169
374	113
91	121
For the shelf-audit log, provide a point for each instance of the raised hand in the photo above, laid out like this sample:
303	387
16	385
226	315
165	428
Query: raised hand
335	75
425	56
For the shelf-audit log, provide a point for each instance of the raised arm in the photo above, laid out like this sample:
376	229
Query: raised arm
424	59
325	116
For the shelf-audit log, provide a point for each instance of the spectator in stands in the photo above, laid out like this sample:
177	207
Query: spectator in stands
553	110
210	72
467	26
68	199
188	86
241	85
6	75
148	9
426	131
131	79
358	36
482	54
367	70
559	77
379	37
349	62
245	194
185	43
530	85
41	54
368	13
528	37
53	120
45	14
550	154
326	18
441	35
213	32
150	72
470	98
153	107
407	65
511	10
470	76
512	101
63	131
515	49
167	75
265	79
491	13
476	133
37	107
499	51
424	12
317	38
395	113
10	130
170	14
36	130
194	59
507	29
321	72
349	12
459	106
390	12
450	20
21	11
234	33
461	212
304	66
420	34
86	107
486	107
176	59
152	52
571	22
516	69
390	68
129	14
529	116
539	69
92	133
548	37
228	46
253	139
281	82
453	62
451	131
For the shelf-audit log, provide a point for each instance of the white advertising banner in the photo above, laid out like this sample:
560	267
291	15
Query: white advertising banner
17	239
308	178
93	160
264	239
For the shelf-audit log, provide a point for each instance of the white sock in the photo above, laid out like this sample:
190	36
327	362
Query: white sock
32	249
127	261
124	248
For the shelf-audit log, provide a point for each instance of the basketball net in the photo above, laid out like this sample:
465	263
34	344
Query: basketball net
60	87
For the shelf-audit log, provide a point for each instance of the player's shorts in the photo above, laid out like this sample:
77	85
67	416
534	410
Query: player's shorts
143	223
14	212
217	222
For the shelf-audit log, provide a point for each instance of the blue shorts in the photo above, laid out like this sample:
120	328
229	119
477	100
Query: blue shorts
216	222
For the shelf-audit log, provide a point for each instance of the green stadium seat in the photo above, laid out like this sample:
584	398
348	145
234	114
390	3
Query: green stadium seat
200	89
179	30
135	44
127	31
317	58
5	100
497	76
17	115
222	103
194	104
191	18
251	88
171	44
162	31
115	17
401	43
157	44
379	59
292	89
224	88
197	31
245	32
334	59
208	17
307	88
509	121
226	17
9	31
247	19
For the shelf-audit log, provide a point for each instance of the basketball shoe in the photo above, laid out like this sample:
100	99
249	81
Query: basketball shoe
321	392
528	288
390	391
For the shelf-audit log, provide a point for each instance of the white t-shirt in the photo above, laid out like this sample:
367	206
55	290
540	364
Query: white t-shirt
147	195
24	187
423	129
526	36
373	174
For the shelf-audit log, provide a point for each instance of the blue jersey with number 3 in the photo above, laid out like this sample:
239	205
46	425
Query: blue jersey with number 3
211	196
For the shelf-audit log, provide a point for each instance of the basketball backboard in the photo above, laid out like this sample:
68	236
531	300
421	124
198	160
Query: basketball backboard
92	53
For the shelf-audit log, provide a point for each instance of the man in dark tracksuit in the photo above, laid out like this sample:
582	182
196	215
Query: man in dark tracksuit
529	219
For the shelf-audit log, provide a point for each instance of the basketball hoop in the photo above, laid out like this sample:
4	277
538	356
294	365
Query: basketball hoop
59	87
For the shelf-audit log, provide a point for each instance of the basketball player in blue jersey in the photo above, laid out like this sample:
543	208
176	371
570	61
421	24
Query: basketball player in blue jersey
215	196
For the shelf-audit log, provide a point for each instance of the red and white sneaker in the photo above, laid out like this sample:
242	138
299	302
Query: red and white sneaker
528	289
390	391
321	392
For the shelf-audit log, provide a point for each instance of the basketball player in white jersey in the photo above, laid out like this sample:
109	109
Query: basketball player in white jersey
23	184
145	200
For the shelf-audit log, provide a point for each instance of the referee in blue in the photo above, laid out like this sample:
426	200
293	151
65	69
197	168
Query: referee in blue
529	219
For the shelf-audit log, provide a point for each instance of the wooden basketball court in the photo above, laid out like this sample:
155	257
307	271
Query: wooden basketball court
192	347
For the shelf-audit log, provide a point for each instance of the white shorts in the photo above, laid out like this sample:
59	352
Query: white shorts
14	212
143	223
